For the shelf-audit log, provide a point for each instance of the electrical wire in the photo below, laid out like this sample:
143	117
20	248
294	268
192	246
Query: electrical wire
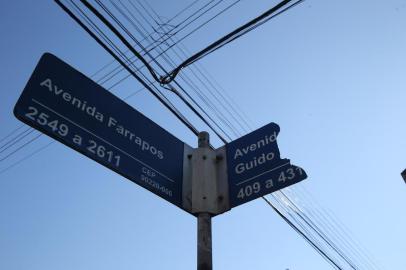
192	85
105	21
207	86
240	31
21	147
122	39
172	88
332	224
128	45
149	35
120	68
12	132
290	204
26	157
14	140
324	255
184	121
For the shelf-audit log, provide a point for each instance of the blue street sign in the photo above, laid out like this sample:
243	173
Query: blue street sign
254	166
69	107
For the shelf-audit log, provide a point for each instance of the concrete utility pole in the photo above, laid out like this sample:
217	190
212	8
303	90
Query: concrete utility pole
204	251
205	192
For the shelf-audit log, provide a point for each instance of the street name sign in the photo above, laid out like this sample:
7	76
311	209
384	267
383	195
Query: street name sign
254	166
69	107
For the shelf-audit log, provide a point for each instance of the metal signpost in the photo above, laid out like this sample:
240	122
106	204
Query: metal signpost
69	107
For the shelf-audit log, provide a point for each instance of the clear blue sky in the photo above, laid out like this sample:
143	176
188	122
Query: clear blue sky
330	73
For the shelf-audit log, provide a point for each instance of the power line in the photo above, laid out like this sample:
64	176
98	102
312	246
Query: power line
121	68
175	91
317	230
172	18
21	147
225	101
331	223
12	132
181	118
197	90
128	45
240	31
27	157
118	34
13	141
202	10
321	252
122	39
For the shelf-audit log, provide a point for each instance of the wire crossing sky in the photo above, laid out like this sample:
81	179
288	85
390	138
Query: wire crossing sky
335	82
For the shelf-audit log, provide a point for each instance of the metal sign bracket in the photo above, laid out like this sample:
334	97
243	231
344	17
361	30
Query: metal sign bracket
205	187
